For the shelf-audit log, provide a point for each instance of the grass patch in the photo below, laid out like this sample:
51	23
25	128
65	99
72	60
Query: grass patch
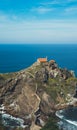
51	124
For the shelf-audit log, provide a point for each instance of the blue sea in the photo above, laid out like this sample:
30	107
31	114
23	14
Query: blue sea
68	119
14	57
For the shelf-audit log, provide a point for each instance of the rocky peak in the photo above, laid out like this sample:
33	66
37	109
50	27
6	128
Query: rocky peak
41	89
51	69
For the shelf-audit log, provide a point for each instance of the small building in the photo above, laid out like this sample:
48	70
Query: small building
42	60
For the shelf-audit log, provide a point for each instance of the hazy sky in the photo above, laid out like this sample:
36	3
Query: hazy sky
38	21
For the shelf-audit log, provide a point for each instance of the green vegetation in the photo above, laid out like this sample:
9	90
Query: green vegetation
18	128
60	88
34	68
7	76
51	124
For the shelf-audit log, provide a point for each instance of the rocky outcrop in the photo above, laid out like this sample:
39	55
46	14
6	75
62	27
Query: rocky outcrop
46	101
42	75
35	93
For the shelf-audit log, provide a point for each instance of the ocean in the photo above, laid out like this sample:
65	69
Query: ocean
68	119
15	57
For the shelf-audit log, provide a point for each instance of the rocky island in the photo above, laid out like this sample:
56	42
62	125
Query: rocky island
36	93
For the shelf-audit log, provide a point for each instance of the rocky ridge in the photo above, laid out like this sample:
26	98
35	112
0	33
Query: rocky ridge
35	93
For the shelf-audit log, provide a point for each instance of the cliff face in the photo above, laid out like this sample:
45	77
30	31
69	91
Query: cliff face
36	92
